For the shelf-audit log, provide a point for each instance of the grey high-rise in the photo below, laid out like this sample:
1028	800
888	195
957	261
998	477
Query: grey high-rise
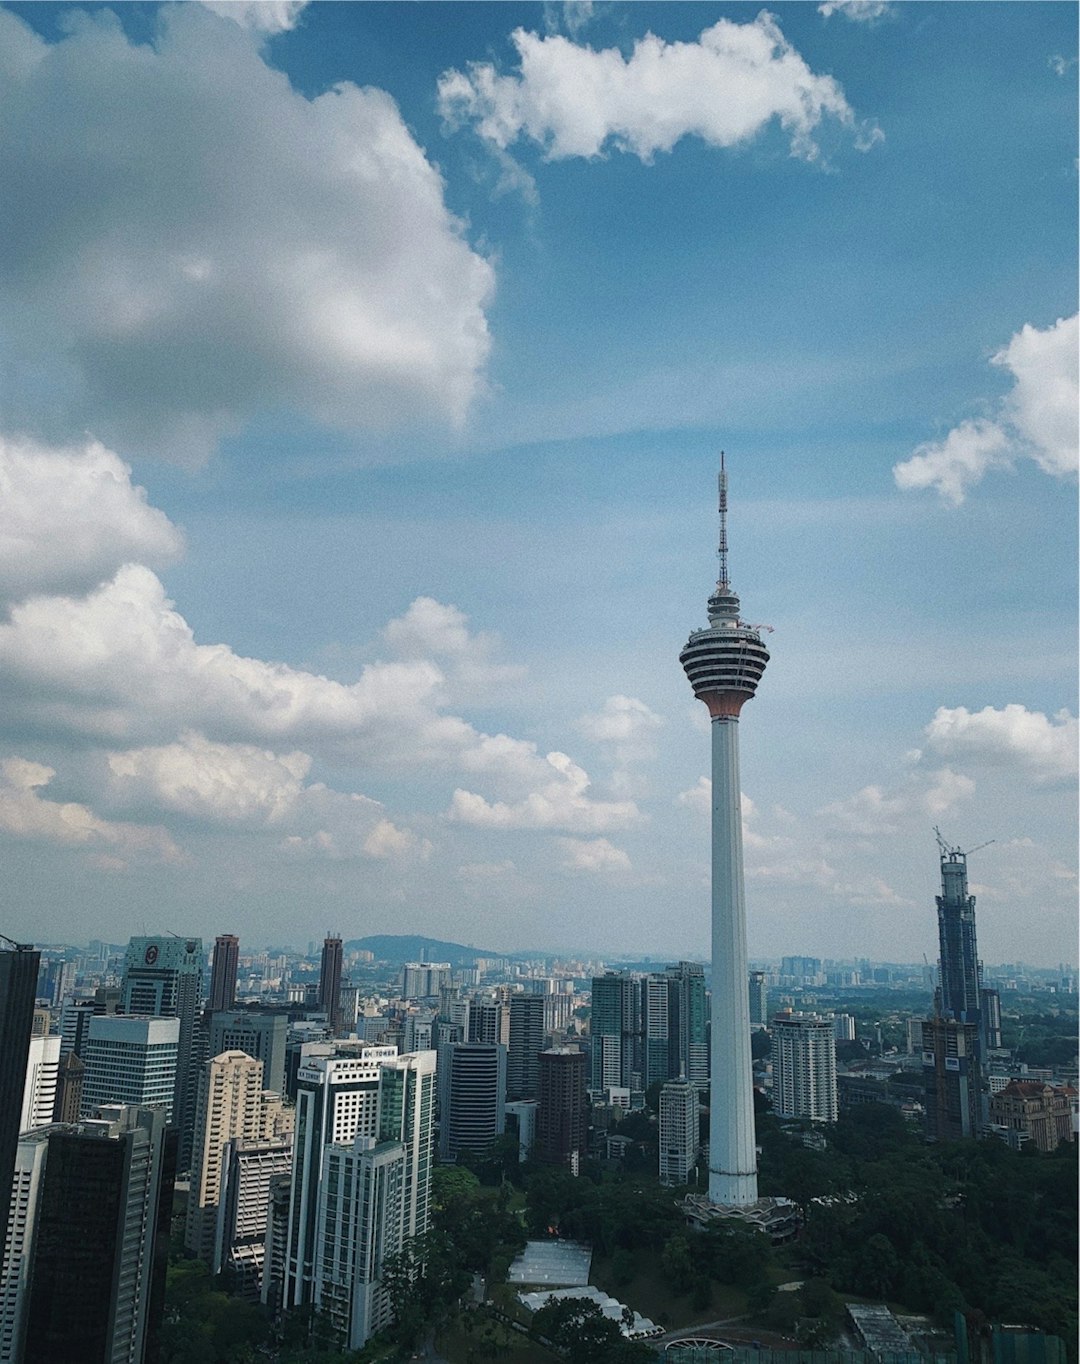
223	973
330	983
525	1045
960	975
724	663
163	979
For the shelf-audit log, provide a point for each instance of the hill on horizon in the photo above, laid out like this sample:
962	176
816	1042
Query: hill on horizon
398	948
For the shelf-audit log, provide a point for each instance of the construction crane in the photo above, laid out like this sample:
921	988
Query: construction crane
946	850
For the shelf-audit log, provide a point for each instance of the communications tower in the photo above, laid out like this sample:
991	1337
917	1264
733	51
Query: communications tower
724	664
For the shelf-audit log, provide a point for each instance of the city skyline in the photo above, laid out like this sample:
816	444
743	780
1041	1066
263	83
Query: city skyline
358	480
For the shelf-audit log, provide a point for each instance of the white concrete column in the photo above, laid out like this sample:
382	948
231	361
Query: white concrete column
732	1154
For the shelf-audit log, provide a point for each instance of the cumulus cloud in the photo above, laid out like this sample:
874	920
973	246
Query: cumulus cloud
697	798
859	11
189	240
625	723
596	855
433	629
264	16
561	801
1041	747
874	810
575	101
1036	420
69	517
26	813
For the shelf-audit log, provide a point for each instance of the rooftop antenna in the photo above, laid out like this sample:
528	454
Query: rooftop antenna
723	580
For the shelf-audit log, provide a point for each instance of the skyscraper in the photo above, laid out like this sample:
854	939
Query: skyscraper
686	1027
131	1061
19	1246
959	962
330	983
680	1132
804	1067
562	1125
97	1281
39	1093
615	1032
223	972
725	663
262	1033
472	1097
759	1000
525	1045
163	979
18	989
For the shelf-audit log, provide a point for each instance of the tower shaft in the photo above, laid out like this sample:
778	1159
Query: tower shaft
732	1154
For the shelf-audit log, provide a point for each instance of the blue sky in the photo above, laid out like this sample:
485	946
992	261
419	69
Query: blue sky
422	340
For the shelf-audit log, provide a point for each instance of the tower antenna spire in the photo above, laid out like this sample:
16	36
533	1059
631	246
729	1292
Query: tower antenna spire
724	581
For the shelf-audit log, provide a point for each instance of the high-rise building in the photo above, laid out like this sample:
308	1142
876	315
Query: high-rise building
961	979
687	1023
615	1059
18	990
330	983
19	1246
75	1016
656	1040
70	1075
489	1021
804	1067
990	1019
39	1092
163	979
424	979
249	1168
472	1098
725	663
759	1000
375	1197
229	1106
337	1099
525	1045
680	1132
261	1033
97	1282
562	1124
952	1078
131	1061
223	972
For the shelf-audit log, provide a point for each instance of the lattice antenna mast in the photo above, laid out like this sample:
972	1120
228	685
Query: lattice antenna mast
724	582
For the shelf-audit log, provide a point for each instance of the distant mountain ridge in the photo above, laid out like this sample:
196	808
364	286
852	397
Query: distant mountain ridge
399	948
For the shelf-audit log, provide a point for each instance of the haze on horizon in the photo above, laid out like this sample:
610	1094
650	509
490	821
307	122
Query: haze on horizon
365	378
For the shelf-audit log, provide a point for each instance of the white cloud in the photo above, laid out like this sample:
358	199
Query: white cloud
25	813
697	798
1037	419
626	723
265	16
725	88
432	629
1060	65
860	11
596	855
1033	744
873	810
559	801
193	241
70	517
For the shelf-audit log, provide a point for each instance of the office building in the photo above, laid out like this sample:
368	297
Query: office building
131	1061
261	1033
18	990
376	1196
521	1123
230	1106
337	1099
18	1249
489	1021
97	1281
562	1125
687	1023
39	1091
249	1171
472	1098
330	983
424	979
759	1000
615	1032
223	972
952	1079
75	1016
804	1067
58	981
990	1020
844	1027
70	1075
163	979
680	1132
961	979
724	663
524	1047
